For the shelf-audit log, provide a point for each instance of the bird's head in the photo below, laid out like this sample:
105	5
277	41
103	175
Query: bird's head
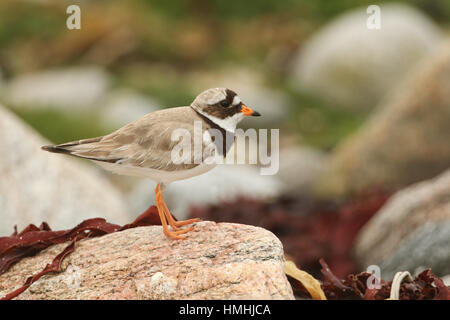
222	106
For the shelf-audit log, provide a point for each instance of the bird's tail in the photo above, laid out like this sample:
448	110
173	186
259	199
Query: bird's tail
56	149
86	148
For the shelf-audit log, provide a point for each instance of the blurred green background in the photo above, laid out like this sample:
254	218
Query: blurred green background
158	48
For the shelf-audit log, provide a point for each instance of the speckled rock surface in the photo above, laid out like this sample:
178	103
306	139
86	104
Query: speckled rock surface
38	186
217	261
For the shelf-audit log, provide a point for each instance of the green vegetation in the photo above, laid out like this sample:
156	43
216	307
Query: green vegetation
320	124
58	126
166	86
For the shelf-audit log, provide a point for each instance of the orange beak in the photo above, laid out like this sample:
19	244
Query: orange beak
249	112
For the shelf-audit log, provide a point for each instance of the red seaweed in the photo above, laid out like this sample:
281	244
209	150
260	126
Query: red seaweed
426	286
33	240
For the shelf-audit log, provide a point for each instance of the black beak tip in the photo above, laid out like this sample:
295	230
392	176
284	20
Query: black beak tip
256	114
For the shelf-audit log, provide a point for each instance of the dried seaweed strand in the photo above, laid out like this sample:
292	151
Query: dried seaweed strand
33	240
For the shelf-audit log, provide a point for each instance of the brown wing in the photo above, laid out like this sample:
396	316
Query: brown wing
145	142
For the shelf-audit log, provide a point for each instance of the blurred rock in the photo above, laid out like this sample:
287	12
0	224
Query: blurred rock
216	261
404	141
122	107
353	66
225	182
411	232
272	104
446	280
38	186
76	87
300	167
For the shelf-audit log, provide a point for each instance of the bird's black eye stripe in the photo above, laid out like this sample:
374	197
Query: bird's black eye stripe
224	103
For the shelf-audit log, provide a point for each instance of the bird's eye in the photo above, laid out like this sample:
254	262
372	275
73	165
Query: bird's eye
224	103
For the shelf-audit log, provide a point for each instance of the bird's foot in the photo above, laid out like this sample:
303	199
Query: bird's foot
176	234
186	222
168	220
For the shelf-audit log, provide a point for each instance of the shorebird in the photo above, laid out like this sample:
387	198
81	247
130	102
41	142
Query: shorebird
145	146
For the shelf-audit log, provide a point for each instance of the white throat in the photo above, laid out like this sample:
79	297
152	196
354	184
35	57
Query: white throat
228	123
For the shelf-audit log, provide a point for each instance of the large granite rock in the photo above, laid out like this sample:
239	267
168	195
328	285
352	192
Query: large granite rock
404	141
353	66
37	186
216	261
411	232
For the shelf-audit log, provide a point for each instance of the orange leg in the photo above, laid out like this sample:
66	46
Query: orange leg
174	223
166	217
162	216
162	206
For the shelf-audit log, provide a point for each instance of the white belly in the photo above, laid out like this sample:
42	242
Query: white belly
159	176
